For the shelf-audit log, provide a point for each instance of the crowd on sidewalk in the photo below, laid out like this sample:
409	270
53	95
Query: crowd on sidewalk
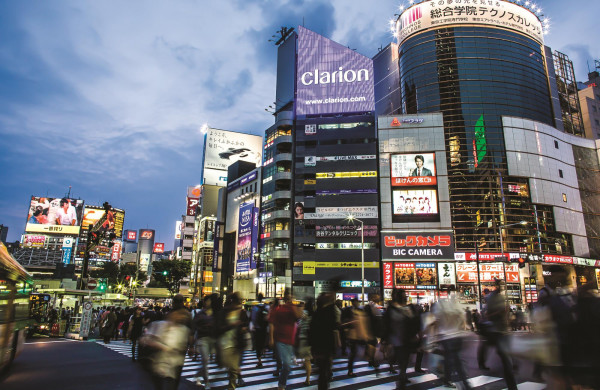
563	343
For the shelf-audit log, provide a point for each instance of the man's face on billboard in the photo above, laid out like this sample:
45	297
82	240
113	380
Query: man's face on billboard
419	163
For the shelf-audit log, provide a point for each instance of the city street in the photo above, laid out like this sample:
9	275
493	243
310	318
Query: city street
64	364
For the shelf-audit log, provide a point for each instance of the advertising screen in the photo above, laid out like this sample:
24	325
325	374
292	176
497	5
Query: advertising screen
33	240
331	78
413	169
439	13
426	276
343	212
410	202
112	224
54	215
404	275
222	148
244	244
131	235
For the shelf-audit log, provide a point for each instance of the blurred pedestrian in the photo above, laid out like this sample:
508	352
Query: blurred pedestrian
109	324
450	330
171	338
323	336
232	324
375	321
282	334
303	346
494	328
135	329
401	324
354	326
259	325
204	329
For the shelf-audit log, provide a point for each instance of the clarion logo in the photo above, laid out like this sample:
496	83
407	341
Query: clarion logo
339	76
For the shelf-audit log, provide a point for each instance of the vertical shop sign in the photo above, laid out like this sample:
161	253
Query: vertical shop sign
388	276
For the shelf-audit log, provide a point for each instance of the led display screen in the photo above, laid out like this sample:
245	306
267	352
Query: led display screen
415	169
54	215
409	202
331	78
112	224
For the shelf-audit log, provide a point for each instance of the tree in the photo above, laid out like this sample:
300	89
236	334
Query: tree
169	273
115	274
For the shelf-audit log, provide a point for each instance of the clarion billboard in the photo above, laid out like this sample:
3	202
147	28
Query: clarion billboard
331	78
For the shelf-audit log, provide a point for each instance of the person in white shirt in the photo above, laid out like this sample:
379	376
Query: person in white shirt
66	215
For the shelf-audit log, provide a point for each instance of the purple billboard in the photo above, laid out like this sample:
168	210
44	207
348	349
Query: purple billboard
244	243
331	78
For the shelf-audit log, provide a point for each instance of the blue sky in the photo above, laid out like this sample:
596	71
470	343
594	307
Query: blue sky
108	96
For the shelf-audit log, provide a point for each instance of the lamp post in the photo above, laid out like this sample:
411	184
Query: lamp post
351	218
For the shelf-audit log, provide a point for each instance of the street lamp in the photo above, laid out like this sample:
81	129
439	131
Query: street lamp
351	218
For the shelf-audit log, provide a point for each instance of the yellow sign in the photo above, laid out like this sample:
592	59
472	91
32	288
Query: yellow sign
309	181
308	268
343	175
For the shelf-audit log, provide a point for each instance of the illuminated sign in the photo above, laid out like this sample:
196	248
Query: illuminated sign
177	230
54	215
427	245
397	123
404	275
343	212
244	242
409	202
194	192
116	251
446	274
192	205
442	13
489	272
343	175
112	224
33	241
159	247
426	276
388	275
414	169
146	234
131	235
558	259
331	78
345	231
344	245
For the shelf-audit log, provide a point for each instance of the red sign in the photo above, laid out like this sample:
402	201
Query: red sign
116	251
558	259
192	204
414	181
467	272
395	123
512	273
388	276
92	284
159	247
417	241
131	235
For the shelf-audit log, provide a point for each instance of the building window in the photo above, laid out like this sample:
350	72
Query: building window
594	108
555	144
560	173
564	197
597	123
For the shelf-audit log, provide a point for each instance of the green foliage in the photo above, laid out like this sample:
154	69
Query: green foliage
169	273
115	274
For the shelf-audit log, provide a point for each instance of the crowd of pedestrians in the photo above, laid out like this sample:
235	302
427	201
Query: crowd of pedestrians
563	342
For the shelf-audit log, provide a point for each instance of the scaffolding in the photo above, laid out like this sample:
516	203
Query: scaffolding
567	94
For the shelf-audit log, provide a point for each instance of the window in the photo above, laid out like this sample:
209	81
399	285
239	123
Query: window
564	197
597	123
560	173
594	108
555	144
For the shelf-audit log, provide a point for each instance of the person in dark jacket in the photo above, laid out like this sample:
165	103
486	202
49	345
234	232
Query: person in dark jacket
204	334
323	336
232	324
109	324
134	329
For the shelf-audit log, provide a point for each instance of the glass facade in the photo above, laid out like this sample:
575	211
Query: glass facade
588	177
474	76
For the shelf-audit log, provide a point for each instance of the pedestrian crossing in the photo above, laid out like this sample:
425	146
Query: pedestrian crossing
262	378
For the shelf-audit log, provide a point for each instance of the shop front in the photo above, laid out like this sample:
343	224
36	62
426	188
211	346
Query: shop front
467	279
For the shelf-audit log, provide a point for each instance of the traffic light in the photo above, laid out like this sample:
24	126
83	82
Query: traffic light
165	273
521	262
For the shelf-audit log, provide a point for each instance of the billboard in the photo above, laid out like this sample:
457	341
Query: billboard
159	247
343	212
244	242
112	224
488	272
409	202
446	274
331	78
130	235
54	215
192	206
194	192
422	246
222	148
207	229
34	240
404	275
115	254
178	230
412	169
426	276
440	13
146	234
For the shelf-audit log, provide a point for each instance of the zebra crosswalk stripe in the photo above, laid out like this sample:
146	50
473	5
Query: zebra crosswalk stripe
366	379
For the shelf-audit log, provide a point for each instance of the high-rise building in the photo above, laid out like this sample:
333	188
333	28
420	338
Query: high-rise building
496	115
320	170
589	98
